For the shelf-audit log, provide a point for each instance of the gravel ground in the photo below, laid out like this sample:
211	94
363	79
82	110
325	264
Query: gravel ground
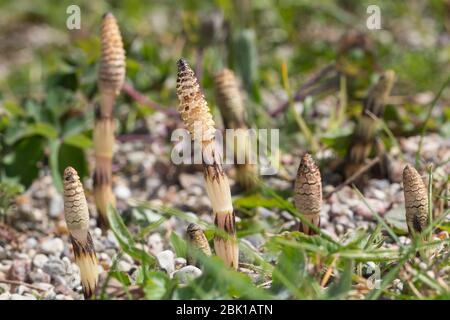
36	259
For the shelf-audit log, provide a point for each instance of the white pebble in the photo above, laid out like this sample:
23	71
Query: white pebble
187	273
39	260
166	261
53	246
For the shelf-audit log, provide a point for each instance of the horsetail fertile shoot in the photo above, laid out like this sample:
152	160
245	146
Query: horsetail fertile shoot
110	80
416	201
308	193
196	115
231	107
364	135
77	219
197	241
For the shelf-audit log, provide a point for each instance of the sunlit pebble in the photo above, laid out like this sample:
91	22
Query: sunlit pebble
122	192
398	284
97	232
404	240
423	265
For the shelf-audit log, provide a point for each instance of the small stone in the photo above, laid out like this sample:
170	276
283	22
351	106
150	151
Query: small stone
36	215
39	260
123	266
53	246
39	276
339	209
136	157
180	263
265	213
56	206
257	240
187	273
122	192
30	243
54	267
166	261
155	244
111	241
22	289
97	232
19	270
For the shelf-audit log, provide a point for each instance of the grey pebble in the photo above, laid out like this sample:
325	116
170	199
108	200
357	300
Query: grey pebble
124	266
39	276
31	243
56	206
155	243
39	260
187	273
180	263
52	246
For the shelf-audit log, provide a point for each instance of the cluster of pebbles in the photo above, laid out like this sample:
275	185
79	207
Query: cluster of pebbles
36	261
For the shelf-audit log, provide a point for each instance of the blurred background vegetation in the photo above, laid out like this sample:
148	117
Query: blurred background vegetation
48	73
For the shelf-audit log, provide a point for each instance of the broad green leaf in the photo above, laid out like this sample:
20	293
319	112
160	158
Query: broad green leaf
156	285
23	162
79	141
72	156
15	133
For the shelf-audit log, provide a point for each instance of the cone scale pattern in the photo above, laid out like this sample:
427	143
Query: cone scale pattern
308	193
416	200
77	219
197	241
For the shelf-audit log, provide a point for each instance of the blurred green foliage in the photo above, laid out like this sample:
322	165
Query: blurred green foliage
47	96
